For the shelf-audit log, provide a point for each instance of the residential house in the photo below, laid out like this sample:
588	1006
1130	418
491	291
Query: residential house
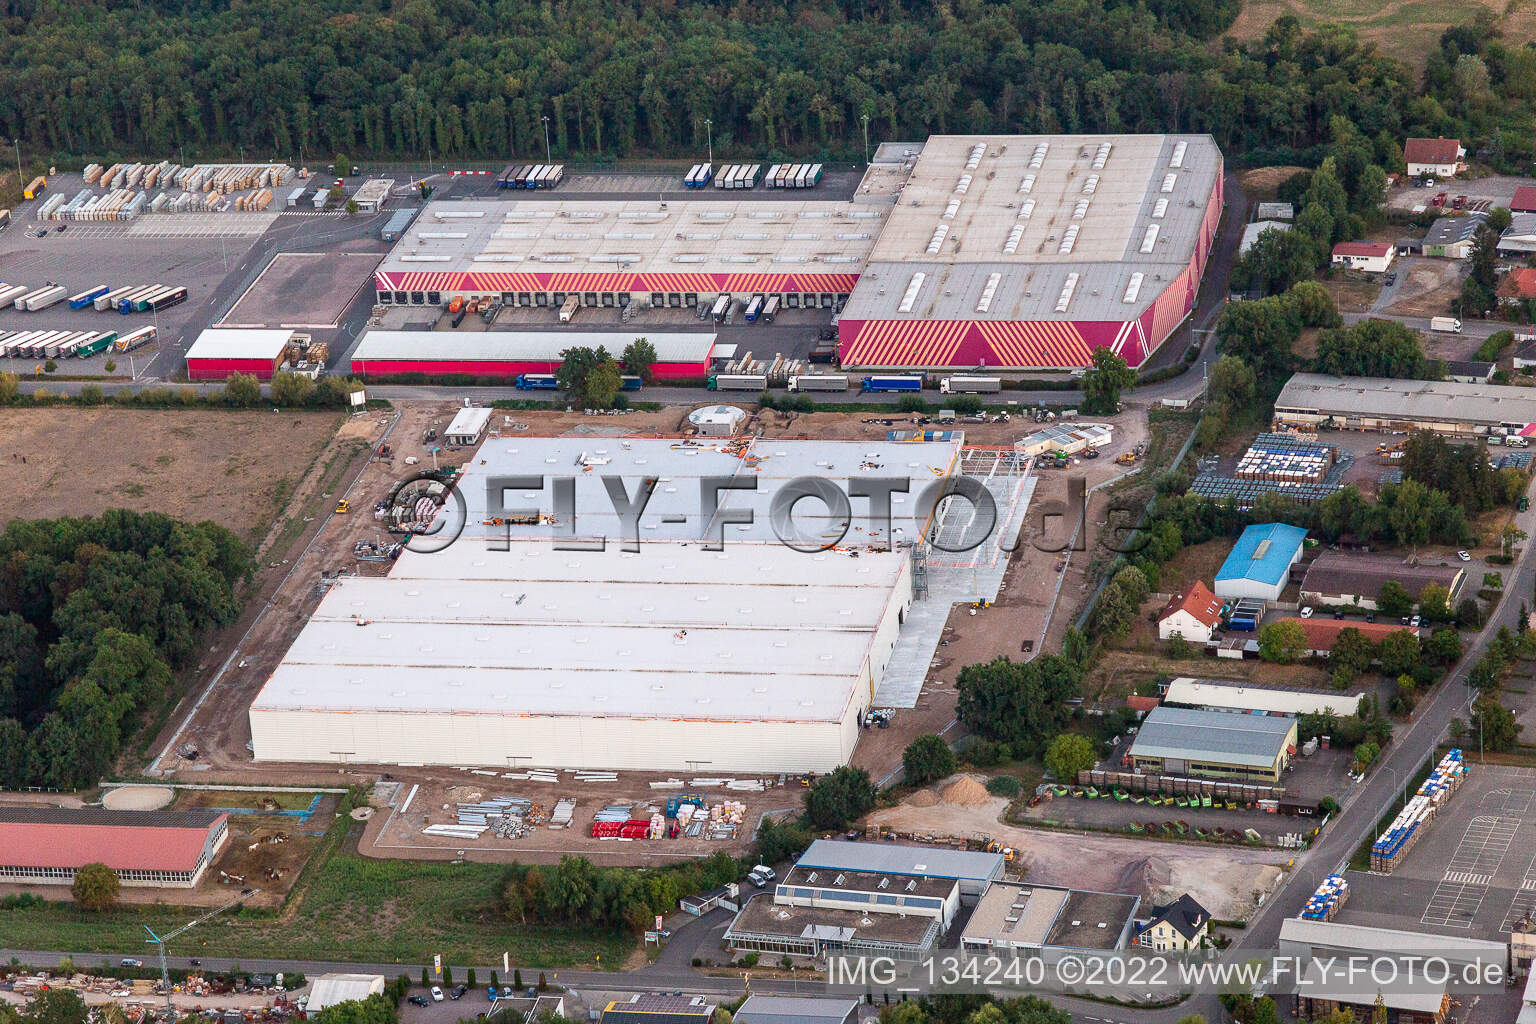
1193	615
1517	286
1439	158
1370	257
1182	924
1469	371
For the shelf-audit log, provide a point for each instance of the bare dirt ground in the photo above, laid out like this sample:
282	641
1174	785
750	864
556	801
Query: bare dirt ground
1352	294
1225	881
1406	29
1428	289
235	468
1263	182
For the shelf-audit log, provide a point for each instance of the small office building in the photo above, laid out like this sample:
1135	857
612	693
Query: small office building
658	1008
1370	257
974	871
468	426
1182	741
797	1010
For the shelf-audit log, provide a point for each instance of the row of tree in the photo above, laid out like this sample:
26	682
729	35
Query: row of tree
578	892
95	616
463	79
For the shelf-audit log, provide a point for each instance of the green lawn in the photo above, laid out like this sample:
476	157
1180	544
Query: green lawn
348	907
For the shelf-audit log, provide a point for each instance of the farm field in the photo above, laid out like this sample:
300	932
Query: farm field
1406	29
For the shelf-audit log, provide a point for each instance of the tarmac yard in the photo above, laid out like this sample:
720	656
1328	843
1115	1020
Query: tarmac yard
1473	873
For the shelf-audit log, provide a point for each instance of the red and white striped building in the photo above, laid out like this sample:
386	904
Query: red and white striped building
1030	252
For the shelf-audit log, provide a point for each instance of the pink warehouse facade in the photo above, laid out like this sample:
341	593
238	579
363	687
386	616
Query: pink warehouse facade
433	367
219	369
1031	344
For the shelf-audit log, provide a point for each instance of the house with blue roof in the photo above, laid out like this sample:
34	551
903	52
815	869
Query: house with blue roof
1260	562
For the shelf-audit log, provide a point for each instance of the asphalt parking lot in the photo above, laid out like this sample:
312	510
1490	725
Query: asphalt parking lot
1472	874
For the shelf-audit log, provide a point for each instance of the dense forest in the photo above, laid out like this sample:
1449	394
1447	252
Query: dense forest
95	615
464	79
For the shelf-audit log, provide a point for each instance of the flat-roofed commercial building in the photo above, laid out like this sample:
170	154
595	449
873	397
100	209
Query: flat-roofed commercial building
1341	578
503	650
973	870
1182	741
46	845
1049	922
1031	251
679	355
797	1010
613	253
1247	698
1310	400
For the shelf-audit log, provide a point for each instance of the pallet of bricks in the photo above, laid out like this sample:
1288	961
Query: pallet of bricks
1406	829
1328	900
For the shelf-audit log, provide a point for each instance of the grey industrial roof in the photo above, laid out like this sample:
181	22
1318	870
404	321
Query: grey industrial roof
1122	204
1449	230
902	860
849	880
199	818
1337	936
1407	400
795	1010
762	917
527	346
1013	914
1092	920
1253	740
697	236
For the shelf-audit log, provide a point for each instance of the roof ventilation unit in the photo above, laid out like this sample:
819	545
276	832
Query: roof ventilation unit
1150	239
1037	160
1066	293
937	240
990	290
1178	154
1068	239
1134	288
1101	157
909	299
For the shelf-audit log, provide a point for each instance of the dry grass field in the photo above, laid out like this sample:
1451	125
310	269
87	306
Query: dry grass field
1407	29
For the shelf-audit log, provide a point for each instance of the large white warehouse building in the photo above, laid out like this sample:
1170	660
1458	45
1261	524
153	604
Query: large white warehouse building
504	650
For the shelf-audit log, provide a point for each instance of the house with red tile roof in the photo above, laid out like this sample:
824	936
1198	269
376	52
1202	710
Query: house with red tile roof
1322	634
1516	286
1435	157
1524	201
1371	257
46	845
1193	615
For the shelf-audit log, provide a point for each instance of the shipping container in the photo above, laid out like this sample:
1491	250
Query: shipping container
537	382
737	382
818	382
892	382
964	384
754	308
722	307
135	339
36	188
770	309
42	298
630	382
814	177
88	296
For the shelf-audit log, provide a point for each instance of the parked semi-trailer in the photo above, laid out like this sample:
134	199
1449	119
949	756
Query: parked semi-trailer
135	339
894	382
12	344
964	384
109	300
722	307
169	297
100	343
737	382
34	348
754	308
630	382
43	298
88	296
537	382
10	293
818	382
128	303
141	304
770	309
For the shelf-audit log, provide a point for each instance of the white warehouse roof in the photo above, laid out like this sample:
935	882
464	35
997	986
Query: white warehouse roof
239	343
1216	694
470	420
330	989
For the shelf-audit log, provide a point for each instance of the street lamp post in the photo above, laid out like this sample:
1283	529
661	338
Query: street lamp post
547	157
866	139
709	132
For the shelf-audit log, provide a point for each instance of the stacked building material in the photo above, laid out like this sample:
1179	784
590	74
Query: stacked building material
560	817
1244	493
1329	898
1410	825
1285	461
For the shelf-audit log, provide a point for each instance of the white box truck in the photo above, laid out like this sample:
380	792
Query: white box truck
1448	324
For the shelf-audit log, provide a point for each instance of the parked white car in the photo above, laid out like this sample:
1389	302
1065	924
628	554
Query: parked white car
1306	613
1464	556
437	994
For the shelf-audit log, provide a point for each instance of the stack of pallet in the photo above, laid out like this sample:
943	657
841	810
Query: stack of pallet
1329	898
